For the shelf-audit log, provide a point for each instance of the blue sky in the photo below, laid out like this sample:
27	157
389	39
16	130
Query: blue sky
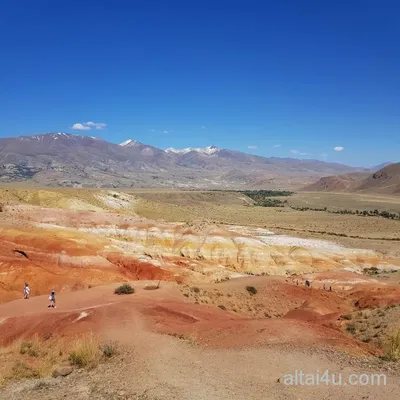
289	78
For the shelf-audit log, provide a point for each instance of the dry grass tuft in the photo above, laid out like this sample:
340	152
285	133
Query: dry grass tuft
86	351
38	357
392	346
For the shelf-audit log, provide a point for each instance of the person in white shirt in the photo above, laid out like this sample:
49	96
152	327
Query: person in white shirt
27	291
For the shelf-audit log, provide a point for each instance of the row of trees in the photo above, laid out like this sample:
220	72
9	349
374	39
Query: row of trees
362	213
262	198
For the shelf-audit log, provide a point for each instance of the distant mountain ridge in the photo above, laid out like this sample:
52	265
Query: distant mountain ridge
63	159
386	181
380	166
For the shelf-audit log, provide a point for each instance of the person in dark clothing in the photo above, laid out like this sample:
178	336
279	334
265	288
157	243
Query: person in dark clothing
52	299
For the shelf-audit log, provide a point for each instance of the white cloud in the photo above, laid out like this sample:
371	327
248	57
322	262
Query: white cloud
298	152
96	125
87	126
203	127
276	145
80	127
166	131
338	148
252	147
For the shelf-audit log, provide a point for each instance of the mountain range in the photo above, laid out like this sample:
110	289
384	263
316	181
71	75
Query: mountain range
66	160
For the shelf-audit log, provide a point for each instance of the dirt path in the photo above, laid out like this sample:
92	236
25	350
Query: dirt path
161	367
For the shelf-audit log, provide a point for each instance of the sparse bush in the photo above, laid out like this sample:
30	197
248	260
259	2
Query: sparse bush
195	289
22	371
124	289
47	336
251	289
351	328
348	317
24	347
222	307
41	385
366	340
109	350
31	348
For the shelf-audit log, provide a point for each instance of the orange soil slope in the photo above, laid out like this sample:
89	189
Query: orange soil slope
63	260
363	291
162	311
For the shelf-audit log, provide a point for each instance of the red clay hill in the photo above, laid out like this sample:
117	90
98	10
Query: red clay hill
385	181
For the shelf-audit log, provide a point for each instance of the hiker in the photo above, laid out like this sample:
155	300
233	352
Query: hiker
308	283
27	291
324	287
330	288
52	299
297	282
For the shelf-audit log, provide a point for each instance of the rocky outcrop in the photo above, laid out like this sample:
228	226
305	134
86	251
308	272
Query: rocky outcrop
69	250
251	253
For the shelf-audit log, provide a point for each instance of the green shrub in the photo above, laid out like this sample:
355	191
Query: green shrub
347	316
251	289
124	289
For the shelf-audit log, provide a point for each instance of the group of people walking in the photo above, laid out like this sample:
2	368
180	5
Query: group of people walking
52	297
308	284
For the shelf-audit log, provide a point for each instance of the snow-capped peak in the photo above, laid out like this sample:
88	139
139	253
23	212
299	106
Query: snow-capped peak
129	143
42	136
203	150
